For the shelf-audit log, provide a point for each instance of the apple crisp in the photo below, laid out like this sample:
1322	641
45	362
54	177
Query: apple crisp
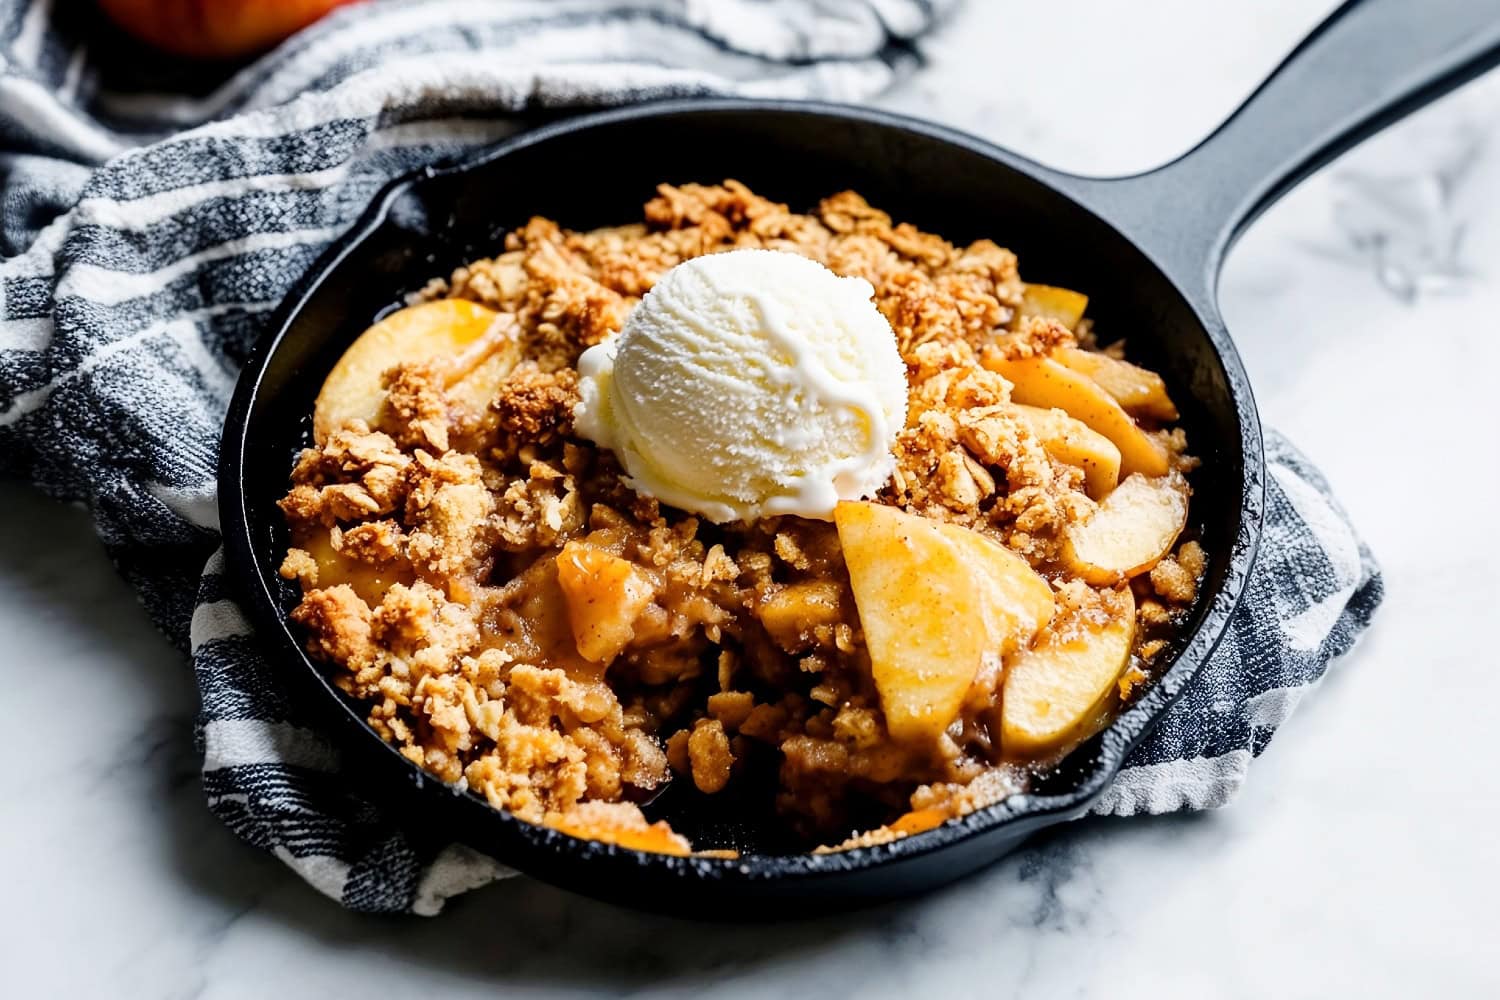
520	622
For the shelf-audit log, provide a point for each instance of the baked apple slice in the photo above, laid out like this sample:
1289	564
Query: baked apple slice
934	600
1050	302
369	581
476	351
623	825
1058	692
1072	442
918	821
605	595
1133	528
1140	392
1049	384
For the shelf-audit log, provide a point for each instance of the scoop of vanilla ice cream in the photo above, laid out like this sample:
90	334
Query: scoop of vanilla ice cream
746	384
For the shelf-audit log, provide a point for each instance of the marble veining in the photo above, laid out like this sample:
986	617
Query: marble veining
1358	860
1408	226
1066	890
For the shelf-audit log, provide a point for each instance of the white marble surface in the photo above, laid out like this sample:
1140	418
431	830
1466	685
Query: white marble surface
1360	859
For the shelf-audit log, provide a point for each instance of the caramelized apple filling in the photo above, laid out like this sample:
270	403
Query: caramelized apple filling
521	623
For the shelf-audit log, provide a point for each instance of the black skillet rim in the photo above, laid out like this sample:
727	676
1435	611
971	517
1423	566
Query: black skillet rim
545	849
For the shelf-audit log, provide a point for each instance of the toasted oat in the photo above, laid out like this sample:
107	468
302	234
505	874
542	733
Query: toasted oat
1175	578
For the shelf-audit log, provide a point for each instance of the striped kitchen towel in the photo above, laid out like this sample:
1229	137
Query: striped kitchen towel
146	236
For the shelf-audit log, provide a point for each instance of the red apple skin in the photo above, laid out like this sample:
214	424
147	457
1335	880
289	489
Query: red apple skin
215	29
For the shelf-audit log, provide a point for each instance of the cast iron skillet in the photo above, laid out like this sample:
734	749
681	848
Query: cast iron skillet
1147	249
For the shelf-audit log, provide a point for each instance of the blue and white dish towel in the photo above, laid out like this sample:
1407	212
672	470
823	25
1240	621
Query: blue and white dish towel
145	238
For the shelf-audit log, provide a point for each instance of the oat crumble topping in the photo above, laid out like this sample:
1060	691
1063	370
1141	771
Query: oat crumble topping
437	552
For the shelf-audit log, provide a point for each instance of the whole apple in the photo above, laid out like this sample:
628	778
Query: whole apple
215	29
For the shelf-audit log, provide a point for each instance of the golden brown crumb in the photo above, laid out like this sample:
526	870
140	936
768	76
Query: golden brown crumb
1152	614
1134	677
337	621
299	565
1148	650
1175	578
1034	337
417	407
848	212
1192	558
355	474
370	542
731	708
709	756
447	514
535	406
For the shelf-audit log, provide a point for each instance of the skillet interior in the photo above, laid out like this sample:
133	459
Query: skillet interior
599	171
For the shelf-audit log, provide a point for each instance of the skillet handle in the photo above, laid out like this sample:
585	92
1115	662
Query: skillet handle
1370	63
